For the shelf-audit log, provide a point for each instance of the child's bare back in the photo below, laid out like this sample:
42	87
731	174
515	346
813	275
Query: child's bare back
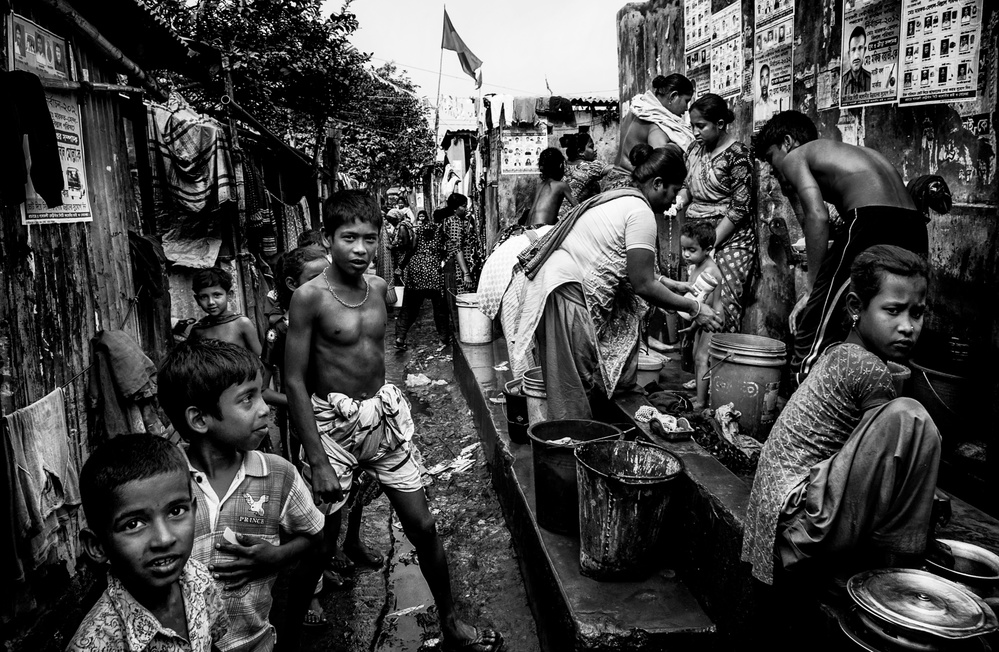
547	200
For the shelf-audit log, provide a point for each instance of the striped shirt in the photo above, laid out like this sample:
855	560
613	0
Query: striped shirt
266	499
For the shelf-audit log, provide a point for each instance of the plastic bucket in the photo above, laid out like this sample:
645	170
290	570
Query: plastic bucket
516	412
555	469
533	386
400	291
473	326
900	375
745	370
649	367
624	488
949	398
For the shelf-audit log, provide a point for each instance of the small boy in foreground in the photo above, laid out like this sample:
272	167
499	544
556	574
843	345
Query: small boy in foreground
141	512
256	514
345	413
213	292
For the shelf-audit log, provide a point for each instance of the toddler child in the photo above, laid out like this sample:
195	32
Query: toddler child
213	292
256	513
140	513
696	241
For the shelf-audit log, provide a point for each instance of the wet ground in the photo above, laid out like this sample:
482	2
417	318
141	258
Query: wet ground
390	608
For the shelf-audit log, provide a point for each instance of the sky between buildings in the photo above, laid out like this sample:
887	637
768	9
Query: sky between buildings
521	42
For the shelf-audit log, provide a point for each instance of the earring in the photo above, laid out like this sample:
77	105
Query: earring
855	319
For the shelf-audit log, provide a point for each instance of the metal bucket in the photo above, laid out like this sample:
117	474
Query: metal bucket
746	371
624	488
555	469
533	386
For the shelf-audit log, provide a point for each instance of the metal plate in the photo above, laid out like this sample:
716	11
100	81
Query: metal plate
921	601
857	632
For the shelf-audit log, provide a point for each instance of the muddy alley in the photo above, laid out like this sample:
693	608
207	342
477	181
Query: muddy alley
390	608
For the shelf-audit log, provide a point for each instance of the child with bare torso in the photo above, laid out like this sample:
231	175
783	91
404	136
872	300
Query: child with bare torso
346	415
213	292
549	195
696	240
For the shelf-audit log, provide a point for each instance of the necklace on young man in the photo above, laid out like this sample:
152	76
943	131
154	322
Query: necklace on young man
367	290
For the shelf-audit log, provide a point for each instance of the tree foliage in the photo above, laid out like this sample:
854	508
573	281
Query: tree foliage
296	71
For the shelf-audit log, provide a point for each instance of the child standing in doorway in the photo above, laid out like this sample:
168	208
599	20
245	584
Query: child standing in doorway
213	291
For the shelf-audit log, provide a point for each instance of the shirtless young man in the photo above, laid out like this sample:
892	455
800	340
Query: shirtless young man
213	291
552	191
874	205
342	409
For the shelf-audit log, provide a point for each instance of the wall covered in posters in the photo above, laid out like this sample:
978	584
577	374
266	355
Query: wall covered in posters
940	50
726	51
37	50
521	151
870	52
772	71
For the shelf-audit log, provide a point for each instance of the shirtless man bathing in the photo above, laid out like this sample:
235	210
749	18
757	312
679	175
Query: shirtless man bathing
657	118
345	414
875	206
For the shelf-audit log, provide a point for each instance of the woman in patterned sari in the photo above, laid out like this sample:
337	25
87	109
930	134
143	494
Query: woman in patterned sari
582	171
717	189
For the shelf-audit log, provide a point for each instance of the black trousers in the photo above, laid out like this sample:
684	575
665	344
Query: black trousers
412	301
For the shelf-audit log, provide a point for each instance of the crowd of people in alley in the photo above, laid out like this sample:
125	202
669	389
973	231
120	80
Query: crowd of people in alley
195	535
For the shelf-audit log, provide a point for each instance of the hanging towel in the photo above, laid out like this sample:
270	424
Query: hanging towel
134	373
193	156
648	107
46	480
25	111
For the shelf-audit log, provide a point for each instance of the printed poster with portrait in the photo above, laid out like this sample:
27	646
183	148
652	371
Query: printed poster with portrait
869	73
772	70
940	51
521	151
65	111
698	69
696	24
726	51
37	50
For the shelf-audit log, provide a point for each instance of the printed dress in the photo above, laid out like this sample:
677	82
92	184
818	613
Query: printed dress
583	178
424	269
719	186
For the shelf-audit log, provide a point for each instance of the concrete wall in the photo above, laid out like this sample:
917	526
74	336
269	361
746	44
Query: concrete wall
956	141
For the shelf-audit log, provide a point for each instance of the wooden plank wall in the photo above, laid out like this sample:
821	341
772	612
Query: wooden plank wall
60	284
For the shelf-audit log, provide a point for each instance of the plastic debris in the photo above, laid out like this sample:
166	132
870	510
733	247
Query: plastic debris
728	418
417	380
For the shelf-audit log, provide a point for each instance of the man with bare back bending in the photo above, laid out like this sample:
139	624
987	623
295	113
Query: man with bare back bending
874	207
341	407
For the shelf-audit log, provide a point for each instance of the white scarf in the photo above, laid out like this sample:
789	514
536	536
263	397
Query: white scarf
648	107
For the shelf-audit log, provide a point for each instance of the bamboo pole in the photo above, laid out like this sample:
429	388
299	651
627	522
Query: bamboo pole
85	29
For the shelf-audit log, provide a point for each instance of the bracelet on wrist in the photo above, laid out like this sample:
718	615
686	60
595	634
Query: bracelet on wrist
694	316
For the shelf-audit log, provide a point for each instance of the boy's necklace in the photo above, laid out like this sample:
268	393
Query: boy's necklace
367	290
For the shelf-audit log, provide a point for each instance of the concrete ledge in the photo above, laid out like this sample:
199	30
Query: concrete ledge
573	612
707	520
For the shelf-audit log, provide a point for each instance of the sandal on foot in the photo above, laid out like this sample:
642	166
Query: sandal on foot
340	564
400	344
690	384
364	556
315	619
478	644
332	579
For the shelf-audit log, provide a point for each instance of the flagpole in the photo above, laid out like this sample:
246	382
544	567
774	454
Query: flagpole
437	106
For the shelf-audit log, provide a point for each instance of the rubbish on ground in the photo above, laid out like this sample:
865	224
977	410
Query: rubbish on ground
407	610
417	380
440	382
498	400
463	462
503	366
727	418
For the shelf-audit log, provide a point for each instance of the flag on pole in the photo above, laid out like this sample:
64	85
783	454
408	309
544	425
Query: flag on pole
451	41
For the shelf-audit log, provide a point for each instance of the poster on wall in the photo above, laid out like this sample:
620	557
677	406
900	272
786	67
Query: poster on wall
726	51
698	69
696	24
940	50
75	207
37	50
870	52
772	72
521	152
